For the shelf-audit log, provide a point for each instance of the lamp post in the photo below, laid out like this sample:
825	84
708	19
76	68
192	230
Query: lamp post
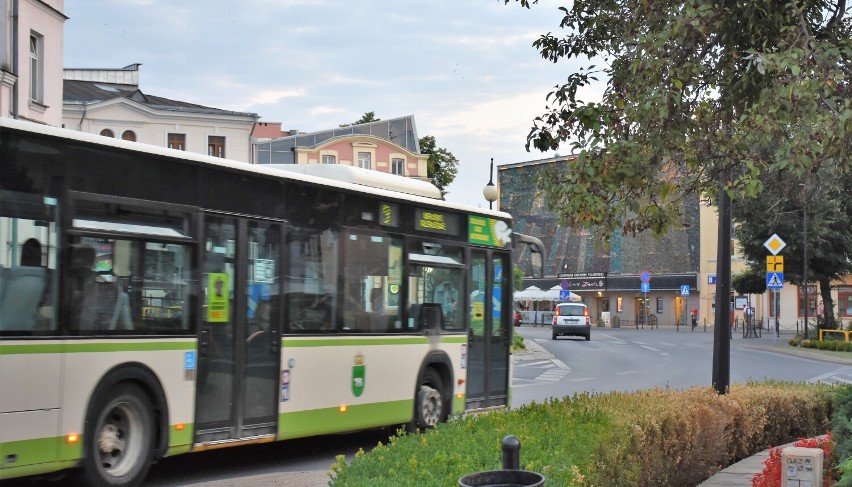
490	191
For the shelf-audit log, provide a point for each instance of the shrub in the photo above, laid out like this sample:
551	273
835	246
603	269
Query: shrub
518	343
841	422
657	437
795	341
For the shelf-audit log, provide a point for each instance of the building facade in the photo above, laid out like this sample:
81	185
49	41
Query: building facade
109	102
31	60
389	146
641	279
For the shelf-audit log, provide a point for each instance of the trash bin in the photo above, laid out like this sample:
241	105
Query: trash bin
502	478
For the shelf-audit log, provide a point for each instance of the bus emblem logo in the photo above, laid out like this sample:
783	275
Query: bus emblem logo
358	375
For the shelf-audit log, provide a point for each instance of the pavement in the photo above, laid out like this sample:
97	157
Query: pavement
739	474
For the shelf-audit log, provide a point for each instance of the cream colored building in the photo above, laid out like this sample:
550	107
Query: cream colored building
109	102
31	47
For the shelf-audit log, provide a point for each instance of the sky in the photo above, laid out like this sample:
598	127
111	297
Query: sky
465	69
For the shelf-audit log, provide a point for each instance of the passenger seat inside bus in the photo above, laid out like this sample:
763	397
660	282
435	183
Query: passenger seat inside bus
21	292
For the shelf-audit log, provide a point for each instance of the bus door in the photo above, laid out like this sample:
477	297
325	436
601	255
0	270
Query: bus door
239	341
488	338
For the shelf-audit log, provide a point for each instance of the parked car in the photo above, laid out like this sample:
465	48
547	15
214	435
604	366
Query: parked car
517	318
572	319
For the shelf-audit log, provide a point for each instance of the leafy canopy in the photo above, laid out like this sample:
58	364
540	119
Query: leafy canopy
699	95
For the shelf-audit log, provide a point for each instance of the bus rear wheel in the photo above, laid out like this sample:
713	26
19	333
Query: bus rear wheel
119	438
429	403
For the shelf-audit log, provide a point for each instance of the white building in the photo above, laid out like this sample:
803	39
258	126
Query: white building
31	47
109	102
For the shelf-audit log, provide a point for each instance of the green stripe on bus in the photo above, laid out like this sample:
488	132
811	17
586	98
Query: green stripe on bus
330	420
360	342
39	455
87	347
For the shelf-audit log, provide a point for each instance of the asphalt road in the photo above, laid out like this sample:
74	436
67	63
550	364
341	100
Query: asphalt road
626	359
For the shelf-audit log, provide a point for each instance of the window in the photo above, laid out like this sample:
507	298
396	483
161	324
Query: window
177	141
659	305
216	146
812	302
311	280
129	135
398	166
365	160
844	301
140	284
437	276
107	133
28	277
329	159
372	283
36	67
773	302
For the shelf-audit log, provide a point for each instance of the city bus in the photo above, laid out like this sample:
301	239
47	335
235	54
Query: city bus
155	302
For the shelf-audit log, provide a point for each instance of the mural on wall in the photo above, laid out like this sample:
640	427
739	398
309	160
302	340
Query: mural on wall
570	250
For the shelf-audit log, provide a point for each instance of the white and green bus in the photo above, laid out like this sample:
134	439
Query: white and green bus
156	302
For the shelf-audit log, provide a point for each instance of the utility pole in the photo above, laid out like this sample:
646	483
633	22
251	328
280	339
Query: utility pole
722	324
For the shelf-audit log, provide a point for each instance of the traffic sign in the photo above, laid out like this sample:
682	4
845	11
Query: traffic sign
684	290
564	295
564	284
645	276
774	280
646	287
774	244
774	263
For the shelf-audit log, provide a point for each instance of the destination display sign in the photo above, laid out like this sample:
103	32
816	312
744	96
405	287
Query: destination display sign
488	231
583	281
435	221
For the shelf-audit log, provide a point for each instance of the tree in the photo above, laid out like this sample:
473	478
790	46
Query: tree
829	237
750	281
699	96
442	165
366	118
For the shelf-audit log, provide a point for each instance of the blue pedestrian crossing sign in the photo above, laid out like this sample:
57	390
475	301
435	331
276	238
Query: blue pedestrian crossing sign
774	280
684	290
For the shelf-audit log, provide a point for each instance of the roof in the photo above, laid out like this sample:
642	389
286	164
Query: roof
88	92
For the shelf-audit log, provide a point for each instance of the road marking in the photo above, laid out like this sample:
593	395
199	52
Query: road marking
650	348
536	364
554	375
560	364
581	380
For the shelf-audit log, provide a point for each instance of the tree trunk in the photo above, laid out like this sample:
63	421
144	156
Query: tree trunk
828	321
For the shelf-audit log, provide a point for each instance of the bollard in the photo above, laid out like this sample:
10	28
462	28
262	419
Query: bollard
511	453
510	475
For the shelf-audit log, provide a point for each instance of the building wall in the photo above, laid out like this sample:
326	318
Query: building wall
152	127
572	250
345	150
46	19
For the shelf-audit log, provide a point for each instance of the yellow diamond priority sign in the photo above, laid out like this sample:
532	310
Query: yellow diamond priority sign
774	244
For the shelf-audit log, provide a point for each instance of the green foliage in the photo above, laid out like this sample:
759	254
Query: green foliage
699	96
365	118
750	281
518	278
442	166
654	437
518	343
841	423
845	469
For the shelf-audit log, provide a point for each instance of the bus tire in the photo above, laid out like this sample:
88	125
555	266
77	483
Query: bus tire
119	438
429	402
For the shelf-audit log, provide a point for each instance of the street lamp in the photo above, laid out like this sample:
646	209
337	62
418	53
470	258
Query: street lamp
490	191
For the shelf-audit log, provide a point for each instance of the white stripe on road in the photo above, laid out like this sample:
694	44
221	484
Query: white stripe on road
650	348
560	364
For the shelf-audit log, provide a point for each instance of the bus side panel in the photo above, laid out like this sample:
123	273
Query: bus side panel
29	407
87	362
348	383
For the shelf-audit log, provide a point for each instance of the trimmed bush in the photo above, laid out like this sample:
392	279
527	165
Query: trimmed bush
657	437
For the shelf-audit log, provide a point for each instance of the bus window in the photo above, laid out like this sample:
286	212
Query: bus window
437	276
27	264
129	286
371	283
310	285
